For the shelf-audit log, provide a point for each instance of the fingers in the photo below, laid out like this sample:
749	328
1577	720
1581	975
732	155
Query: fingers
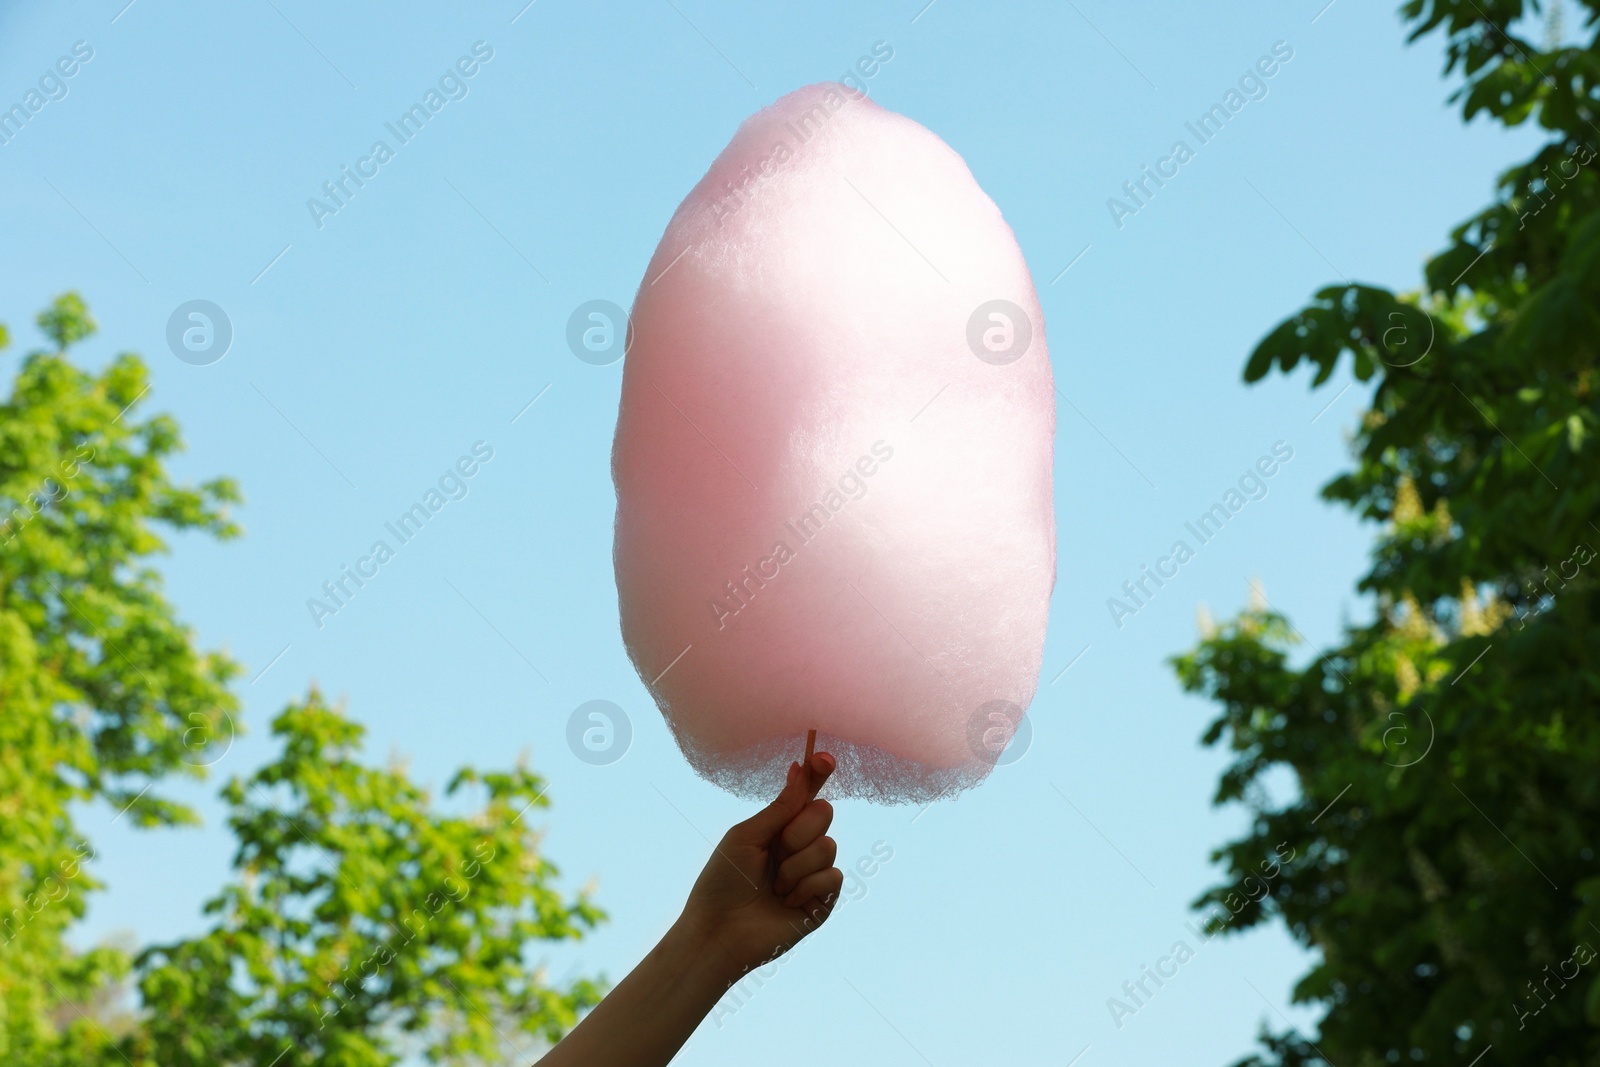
817	892
820	768
801	785
765	824
817	856
812	822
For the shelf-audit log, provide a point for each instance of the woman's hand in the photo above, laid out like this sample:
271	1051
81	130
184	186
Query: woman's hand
771	880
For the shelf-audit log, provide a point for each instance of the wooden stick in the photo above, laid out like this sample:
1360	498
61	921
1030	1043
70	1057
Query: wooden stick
811	747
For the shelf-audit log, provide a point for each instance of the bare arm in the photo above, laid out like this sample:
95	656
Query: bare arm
770	881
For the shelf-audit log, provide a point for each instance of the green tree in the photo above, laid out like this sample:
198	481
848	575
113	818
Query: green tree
363	924
1448	753
102	688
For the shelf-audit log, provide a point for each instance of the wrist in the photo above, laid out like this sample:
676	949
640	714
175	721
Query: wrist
692	940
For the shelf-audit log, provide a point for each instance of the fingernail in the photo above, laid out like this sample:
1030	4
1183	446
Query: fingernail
794	768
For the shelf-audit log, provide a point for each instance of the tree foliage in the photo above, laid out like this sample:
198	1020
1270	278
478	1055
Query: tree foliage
363	923
99	683
1448	753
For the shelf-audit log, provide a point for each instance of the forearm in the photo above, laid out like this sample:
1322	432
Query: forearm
734	919
646	1019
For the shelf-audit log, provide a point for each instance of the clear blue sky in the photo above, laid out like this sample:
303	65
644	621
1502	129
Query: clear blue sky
370	353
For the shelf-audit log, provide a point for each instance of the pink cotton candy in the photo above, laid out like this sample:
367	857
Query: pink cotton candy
833	460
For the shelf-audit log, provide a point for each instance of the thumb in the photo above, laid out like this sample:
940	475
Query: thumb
767	823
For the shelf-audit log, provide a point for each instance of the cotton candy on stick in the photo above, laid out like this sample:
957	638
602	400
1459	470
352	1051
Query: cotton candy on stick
833	460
